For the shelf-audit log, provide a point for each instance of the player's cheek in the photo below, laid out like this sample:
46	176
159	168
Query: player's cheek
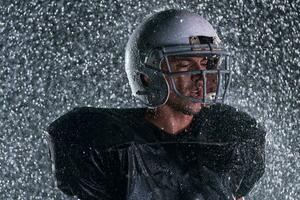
181	82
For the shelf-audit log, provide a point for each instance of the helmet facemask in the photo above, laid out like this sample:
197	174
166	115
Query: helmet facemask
206	82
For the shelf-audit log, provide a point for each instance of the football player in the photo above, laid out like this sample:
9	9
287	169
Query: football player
186	144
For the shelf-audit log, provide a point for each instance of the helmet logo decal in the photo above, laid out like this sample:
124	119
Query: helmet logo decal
201	40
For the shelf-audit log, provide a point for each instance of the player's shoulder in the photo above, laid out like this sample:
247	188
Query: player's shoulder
86	124
227	111
77	118
235	122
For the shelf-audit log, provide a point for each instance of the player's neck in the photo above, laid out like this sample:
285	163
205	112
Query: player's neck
172	122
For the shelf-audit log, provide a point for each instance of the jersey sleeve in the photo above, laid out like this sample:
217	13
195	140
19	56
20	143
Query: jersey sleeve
249	153
81	169
254	150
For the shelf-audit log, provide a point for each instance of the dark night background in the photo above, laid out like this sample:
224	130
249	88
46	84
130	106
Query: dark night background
56	55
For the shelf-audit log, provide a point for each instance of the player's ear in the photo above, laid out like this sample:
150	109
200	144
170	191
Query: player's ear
145	80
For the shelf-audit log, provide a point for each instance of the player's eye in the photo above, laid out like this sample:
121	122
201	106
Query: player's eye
183	65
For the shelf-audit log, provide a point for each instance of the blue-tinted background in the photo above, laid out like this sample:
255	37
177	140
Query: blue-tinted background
55	55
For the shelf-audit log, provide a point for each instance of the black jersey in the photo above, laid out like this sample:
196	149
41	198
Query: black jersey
108	153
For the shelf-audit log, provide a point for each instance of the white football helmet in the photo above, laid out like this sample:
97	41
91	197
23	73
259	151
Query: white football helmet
174	33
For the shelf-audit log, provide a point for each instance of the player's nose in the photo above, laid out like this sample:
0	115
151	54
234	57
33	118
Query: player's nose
199	75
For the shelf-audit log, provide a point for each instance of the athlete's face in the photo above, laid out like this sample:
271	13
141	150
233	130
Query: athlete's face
188	85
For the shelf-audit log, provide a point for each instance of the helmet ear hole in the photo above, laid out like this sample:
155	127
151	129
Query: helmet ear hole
145	80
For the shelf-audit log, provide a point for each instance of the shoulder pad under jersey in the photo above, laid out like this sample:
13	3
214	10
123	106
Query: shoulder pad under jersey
90	126
231	124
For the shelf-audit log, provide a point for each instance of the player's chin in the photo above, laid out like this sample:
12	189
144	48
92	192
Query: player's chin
196	104
195	107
